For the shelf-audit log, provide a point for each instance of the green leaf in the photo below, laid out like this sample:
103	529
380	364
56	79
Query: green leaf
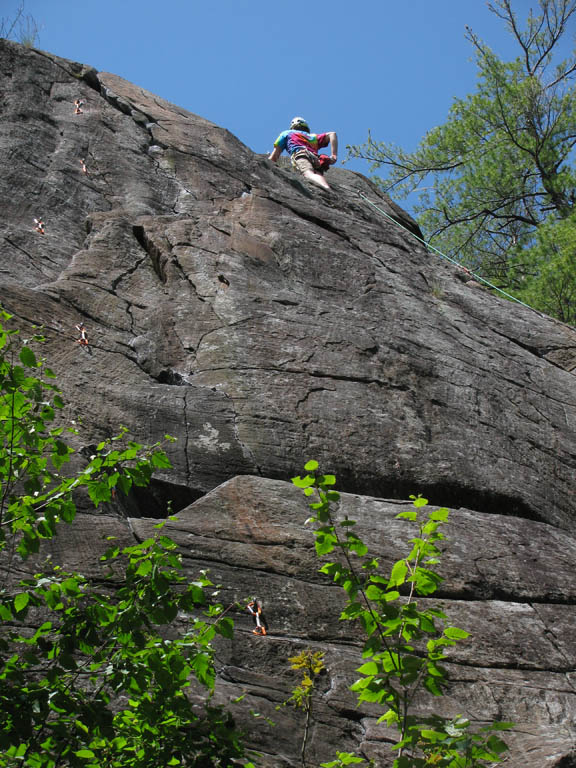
453	633
496	745
125	484
99	492
357	545
431	735
369	668
390	718
374	592
499	725
303	482
325	542
21	601
225	627
398	574
27	357
432	686
311	465
145	567
160	460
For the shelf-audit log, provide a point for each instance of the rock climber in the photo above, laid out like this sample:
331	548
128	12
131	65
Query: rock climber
255	609
303	146
39	226
78	104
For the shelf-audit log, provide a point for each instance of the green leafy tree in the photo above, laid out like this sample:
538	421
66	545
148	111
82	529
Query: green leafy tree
502	166
549	269
405	644
116	673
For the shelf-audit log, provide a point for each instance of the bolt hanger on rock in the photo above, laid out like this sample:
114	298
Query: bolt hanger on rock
83	340
255	609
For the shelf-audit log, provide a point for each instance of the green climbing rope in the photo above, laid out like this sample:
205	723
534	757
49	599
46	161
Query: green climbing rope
449	258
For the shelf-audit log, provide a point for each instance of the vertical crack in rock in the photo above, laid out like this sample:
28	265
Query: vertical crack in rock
186	277
187	435
130	271
130	317
157	258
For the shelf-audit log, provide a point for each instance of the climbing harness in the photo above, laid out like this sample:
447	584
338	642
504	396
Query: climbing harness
449	258
255	609
39	226
320	163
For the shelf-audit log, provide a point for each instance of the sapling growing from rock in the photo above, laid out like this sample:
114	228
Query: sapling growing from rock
311	664
404	643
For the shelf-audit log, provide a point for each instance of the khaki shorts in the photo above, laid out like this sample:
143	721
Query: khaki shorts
303	162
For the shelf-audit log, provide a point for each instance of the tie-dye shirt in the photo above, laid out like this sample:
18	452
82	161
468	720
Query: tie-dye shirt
292	141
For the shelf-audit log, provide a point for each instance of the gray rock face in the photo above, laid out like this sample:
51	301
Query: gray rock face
513	587
262	323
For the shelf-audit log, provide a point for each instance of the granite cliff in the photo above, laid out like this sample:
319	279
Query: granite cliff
263	322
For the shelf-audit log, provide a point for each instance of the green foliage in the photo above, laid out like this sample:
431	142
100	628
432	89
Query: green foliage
112	673
98	646
34	494
343	759
549	270
405	644
502	165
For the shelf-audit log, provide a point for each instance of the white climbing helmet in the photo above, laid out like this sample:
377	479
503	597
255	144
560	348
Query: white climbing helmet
299	124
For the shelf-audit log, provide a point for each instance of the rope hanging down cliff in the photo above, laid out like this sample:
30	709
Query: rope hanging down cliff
449	258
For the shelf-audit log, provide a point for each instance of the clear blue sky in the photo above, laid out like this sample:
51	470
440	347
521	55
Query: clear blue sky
389	66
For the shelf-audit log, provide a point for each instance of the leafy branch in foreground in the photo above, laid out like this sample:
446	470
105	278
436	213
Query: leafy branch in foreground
116	672
405	644
103	677
35	495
